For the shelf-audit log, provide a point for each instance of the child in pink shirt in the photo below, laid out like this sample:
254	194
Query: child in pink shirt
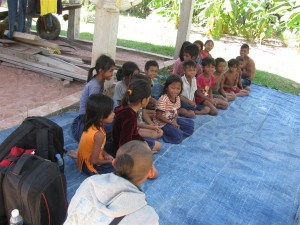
190	52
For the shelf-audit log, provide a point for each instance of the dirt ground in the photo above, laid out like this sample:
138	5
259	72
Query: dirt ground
24	93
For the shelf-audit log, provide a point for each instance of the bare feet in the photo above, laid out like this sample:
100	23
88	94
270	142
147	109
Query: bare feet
72	154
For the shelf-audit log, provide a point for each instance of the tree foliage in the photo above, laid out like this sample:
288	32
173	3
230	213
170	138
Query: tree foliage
255	19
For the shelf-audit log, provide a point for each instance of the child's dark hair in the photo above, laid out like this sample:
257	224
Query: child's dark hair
141	77
133	161
199	43
245	46
184	44
172	79
104	63
127	70
209	41
219	60
98	107
208	61
189	63
233	62
137	91
240	58
119	75
151	63
192	50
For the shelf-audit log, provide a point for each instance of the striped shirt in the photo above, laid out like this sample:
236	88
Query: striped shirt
168	108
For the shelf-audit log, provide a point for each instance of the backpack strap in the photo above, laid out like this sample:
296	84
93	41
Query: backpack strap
116	220
23	160
42	144
15	137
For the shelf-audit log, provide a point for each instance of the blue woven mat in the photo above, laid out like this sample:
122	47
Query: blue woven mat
240	167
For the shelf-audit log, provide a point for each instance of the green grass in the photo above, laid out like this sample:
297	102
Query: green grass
262	77
277	82
143	46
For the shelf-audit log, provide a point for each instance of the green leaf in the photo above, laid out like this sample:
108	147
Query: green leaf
279	8
295	19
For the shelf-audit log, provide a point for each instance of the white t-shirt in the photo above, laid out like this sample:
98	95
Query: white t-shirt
188	90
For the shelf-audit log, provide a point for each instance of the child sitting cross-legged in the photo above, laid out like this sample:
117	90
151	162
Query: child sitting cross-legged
125	126
232	79
108	198
151	71
92	157
187	98
125	73
217	88
204	95
175	128
146	127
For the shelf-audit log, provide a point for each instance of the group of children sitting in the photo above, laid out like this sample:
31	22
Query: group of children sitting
143	110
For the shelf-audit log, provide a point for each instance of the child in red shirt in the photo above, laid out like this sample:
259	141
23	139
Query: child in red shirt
204	94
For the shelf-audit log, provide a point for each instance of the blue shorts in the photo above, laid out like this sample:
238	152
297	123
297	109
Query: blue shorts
189	107
246	82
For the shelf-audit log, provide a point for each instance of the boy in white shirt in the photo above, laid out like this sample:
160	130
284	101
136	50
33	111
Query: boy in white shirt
189	108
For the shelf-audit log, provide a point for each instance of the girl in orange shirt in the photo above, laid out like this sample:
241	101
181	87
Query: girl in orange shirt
92	157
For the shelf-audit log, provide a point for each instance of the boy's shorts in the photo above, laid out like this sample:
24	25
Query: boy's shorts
236	90
187	106
216	93
246	82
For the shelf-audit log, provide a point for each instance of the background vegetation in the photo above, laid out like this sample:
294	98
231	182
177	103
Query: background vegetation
253	19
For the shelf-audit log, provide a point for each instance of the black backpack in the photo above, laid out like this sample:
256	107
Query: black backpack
37	133
37	188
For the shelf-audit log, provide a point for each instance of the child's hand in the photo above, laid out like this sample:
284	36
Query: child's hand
193	104
154	127
175	124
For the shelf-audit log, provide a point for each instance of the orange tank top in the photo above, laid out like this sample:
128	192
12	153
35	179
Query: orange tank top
85	148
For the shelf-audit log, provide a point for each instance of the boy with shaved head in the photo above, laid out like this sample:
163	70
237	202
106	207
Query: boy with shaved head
248	70
100	199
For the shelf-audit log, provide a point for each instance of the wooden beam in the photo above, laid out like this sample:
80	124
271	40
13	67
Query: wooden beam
32	60
25	36
183	33
55	63
33	40
74	19
20	65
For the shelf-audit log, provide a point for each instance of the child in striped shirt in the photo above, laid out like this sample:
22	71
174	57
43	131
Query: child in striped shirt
175	128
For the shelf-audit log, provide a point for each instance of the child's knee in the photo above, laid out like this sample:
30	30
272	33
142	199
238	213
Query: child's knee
213	112
224	105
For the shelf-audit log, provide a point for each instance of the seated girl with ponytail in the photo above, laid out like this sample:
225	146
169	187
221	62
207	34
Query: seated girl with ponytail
108	198
125	123
125	126
104	68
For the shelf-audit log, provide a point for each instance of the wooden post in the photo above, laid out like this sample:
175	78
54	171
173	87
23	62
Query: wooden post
73	22
183	33
106	29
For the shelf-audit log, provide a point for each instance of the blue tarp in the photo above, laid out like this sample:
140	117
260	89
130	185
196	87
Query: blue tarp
240	167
